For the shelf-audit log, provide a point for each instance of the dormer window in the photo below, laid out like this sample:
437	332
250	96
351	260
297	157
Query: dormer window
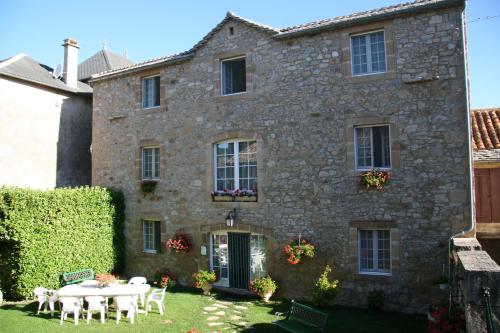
233	76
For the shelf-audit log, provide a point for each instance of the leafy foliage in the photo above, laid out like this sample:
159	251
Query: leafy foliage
325	289
203	277
263	285
296	249
375	178
46	233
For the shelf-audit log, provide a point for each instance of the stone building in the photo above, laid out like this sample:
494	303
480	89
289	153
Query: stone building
291	117
45	132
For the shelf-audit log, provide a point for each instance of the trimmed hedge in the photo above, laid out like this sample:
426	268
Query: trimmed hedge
46	233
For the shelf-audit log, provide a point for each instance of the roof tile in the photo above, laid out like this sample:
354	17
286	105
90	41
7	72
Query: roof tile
486	129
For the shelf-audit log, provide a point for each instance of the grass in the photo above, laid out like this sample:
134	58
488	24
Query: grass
185	310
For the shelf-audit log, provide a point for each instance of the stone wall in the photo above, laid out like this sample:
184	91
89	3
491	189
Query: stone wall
301	106
473	271
45	136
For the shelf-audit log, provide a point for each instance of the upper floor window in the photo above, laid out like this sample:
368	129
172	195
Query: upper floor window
368	53
150	92
233	76
236	166
151	236
150	163
374	251
372	147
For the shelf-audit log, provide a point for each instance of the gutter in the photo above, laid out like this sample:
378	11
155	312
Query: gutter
472	225
369	19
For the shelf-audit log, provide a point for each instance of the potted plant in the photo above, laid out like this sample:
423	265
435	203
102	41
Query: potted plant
204	279
442	318
164	279
297	248
264	287
375	178
179	243
148	186
442	281
105	280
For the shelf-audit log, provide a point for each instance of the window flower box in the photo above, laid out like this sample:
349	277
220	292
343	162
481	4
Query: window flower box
236	196
375	178
148	186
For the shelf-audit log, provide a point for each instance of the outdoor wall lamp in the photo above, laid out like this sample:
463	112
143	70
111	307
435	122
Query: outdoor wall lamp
231	217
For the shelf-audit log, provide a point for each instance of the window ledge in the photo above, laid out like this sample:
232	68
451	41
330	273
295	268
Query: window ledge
232	97
373	76
385	278
154	109
149	252
230	198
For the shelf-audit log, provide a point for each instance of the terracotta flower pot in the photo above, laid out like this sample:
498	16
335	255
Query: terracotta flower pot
206	288
266	297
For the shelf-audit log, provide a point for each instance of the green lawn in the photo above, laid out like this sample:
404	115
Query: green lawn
185	309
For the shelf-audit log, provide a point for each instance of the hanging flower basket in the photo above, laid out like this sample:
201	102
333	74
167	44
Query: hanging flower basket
298	248
375	178
179	243
236	195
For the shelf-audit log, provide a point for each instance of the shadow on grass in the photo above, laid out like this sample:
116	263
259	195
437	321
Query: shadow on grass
29	309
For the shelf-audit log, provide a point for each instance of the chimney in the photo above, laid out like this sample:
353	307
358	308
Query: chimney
70	72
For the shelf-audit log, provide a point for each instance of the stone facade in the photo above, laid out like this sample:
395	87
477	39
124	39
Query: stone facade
45	135
301	107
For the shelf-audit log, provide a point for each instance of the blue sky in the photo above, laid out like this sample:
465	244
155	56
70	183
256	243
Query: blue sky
157	28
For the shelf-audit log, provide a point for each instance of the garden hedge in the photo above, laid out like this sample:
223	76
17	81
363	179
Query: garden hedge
46	233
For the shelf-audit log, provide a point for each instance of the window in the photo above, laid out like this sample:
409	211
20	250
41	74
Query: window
368	53
150	92
150	163
374	251
372	147
151	236
236	166
233	76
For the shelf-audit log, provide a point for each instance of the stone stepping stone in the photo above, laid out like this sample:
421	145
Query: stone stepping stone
220	313
212	318
243	323
241	307
215	324
224	302
210	308
235	318
236	311
220	306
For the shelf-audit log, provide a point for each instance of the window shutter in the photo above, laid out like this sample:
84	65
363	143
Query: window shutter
157	235
142	236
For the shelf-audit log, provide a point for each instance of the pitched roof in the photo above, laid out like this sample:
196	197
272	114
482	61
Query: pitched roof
294	31
25	68
486	134
367	16
102	61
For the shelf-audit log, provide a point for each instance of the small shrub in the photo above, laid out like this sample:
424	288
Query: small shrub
376	300
164	278
325	289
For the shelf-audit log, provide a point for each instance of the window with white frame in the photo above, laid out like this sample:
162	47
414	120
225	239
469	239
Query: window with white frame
151	236
372	147
233	76
368	54
150	163
150	92
374	251
236	166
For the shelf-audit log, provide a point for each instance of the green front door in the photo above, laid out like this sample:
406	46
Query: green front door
239	260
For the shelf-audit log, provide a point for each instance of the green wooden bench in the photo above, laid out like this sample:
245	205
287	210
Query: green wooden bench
78	276
302	319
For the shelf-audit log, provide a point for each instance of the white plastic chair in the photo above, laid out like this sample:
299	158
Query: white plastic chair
96	303
139	280
157	297
70	305
43	297
125	303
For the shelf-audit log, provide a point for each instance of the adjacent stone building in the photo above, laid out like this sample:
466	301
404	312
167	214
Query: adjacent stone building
291	117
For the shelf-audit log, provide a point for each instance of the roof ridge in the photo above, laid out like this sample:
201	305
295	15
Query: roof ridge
12	60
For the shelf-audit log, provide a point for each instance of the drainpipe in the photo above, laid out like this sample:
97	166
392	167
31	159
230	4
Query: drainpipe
472	225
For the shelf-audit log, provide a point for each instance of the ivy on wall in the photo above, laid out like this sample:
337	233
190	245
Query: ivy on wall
46	233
